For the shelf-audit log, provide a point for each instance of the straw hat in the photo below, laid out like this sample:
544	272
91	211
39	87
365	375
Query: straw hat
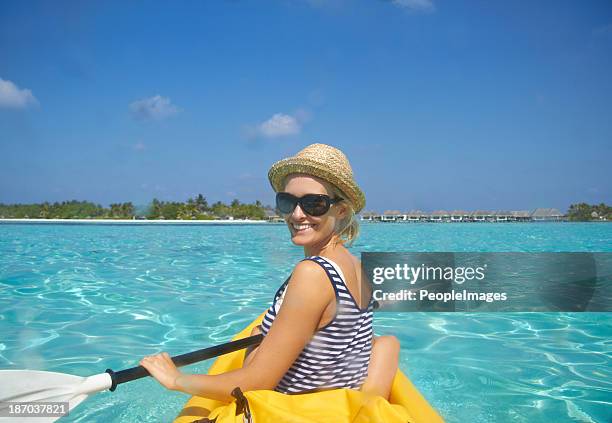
325	162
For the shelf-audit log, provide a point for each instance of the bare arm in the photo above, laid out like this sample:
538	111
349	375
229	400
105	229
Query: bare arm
308	293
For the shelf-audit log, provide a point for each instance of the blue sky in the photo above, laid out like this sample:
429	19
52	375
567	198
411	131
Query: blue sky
437	104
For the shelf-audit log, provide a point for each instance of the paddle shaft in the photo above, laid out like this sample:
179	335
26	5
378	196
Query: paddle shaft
185	359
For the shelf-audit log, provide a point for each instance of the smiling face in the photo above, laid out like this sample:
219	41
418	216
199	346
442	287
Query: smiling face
306	230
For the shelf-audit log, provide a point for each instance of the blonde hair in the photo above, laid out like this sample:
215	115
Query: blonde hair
347	229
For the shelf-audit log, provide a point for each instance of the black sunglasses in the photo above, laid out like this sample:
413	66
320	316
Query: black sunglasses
312	204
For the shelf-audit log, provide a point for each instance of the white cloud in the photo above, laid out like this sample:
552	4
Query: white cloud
280	125
156	108
12	97
415	5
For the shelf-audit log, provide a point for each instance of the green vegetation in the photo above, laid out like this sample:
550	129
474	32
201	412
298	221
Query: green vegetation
585	212
194	209
199	209
64	210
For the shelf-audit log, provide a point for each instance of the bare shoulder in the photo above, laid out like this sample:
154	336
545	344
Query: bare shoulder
310	280
308	268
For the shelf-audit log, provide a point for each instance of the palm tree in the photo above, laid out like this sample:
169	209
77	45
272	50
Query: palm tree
201	203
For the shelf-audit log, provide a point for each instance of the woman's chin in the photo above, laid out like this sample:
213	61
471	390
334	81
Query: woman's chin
301	239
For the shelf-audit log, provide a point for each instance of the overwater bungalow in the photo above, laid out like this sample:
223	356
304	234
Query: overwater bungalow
502	216
482	216
440	216
465	216
417	216
547	215
459	216
521	216
369	215
391	215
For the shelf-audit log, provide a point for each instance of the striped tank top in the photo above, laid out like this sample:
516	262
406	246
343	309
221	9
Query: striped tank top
338	354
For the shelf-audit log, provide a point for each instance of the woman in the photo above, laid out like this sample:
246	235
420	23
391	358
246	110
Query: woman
321	336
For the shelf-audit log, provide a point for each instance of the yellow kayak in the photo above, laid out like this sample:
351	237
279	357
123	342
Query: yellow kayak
406	404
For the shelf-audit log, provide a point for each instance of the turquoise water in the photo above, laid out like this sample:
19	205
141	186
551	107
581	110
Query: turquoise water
83	298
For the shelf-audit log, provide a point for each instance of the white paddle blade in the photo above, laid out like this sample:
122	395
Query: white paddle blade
21	386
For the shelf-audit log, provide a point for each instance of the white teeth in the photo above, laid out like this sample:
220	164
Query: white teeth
301	227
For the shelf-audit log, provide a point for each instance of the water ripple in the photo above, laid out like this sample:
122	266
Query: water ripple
80	299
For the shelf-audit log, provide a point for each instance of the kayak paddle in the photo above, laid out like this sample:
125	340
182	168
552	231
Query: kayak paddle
28	386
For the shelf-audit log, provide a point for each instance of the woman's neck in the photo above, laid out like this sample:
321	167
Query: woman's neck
326	248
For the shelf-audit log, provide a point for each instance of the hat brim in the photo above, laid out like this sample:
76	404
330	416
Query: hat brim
279	171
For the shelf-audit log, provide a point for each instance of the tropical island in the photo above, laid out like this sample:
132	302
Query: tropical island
584	212
193	209
198	209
